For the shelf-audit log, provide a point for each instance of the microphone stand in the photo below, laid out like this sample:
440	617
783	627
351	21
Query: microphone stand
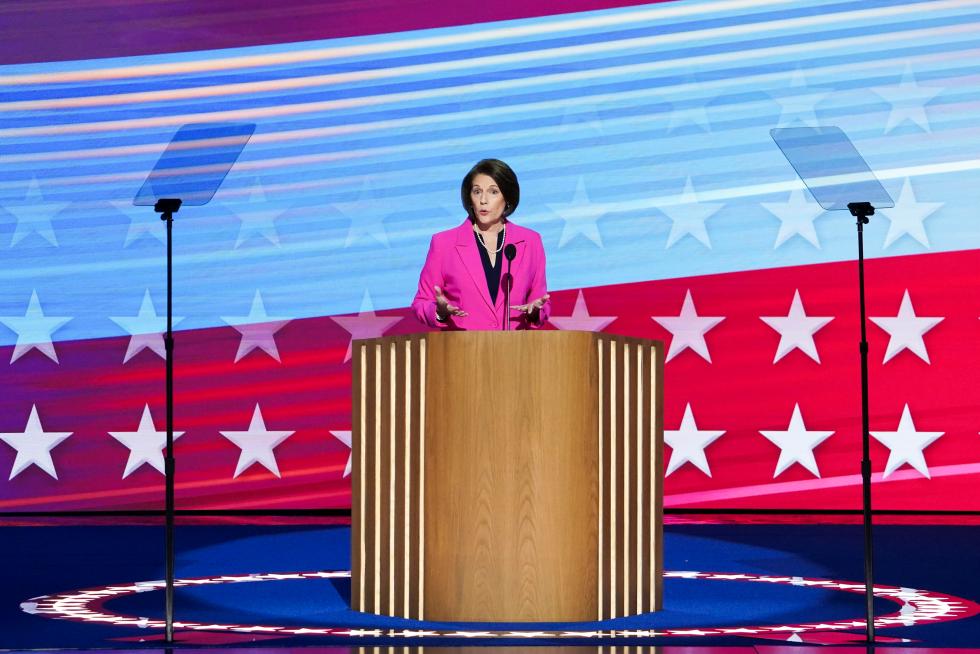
818	154
507	283
509	253
167	208
861	211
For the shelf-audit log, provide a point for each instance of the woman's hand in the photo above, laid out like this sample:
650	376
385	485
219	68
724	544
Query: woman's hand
444	309
532	309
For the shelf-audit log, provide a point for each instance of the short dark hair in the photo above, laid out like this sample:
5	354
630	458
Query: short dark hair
506	181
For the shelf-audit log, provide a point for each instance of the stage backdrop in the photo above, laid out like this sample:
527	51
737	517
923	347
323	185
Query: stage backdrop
641	137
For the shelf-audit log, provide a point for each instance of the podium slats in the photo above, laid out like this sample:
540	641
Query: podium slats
630	443
606	512
387	489
507	476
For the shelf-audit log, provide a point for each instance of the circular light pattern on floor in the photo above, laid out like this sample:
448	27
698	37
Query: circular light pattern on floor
916	606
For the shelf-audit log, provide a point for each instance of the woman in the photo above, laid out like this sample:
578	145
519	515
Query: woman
462	281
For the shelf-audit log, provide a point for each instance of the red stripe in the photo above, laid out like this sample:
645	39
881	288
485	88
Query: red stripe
92	392
54	30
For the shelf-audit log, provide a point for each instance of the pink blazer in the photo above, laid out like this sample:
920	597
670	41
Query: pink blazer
454	264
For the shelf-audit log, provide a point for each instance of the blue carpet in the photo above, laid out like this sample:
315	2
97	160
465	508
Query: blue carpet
49	560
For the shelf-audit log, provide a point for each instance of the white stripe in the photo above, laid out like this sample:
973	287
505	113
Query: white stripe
421	485
482	36
483	88
362	482
600	441
280	163
492	61
771	187
319	245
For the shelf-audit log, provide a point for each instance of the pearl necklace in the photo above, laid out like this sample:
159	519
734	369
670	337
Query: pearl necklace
484	243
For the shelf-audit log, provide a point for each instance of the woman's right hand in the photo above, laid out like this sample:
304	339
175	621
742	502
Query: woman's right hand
444	309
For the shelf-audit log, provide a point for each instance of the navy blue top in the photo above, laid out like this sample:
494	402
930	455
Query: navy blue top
492	272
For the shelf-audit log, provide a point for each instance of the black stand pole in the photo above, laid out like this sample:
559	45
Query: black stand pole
166	208
861	211
508	281
509	253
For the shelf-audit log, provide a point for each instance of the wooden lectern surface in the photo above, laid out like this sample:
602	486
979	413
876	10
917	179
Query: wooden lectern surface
512	476
507	476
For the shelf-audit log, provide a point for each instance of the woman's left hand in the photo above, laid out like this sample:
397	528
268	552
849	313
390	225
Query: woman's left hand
532	308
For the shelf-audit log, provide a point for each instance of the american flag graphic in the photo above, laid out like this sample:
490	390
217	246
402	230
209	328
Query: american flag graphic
640	134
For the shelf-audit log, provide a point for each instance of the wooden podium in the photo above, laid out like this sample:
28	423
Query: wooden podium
507	476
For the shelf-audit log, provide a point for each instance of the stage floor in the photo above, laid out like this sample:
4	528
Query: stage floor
733	583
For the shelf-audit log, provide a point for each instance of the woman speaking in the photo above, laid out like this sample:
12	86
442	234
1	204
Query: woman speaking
462	285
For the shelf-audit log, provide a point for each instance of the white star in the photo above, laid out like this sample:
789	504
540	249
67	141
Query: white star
362	632
906	445
525	634
366	324
33	446
908	101
142	221
695	115
691	113
258	218
796	217
258	329
796	330
688	216
799	108
908	614
581	120
418	633
581	216
365	215
906	330
345	438
34	330
470	634
580	318
637	633
796	444
257	444
687	444
145	445
34	216
688	329
146	329
908	216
